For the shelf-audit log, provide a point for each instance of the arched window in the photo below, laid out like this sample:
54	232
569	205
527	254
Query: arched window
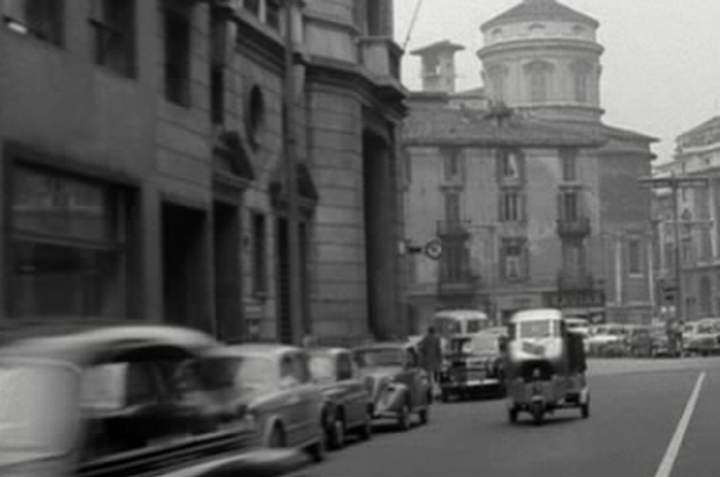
538	74
497	75
581	81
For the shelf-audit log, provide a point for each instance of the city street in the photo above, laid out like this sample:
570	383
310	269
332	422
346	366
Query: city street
636	409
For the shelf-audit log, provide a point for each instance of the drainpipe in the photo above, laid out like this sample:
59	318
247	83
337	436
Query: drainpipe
289	142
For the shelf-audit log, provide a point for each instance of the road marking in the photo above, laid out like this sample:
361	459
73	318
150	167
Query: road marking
673	449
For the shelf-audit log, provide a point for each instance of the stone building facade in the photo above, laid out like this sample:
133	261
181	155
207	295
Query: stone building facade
143	163
697	155
582	216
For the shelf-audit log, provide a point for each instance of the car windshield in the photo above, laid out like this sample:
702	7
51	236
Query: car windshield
322	367
257	372
37	408
380	357
538	328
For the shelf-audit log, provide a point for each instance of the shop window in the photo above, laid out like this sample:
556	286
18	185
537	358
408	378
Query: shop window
178	30
67	247
259	245
113	22
42	19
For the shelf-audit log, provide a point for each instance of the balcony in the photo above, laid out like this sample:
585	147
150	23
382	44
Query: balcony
575	281
453	228
381	56
574	228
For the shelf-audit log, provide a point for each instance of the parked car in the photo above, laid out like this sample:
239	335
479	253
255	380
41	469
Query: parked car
473	365
701	337
660	344
398	386
347	400
123	401
287	406
640	341
607	340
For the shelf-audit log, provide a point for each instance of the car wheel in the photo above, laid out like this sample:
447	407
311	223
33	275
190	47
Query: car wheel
403	418
366	429
424	415
537	413
513	415
317	450
336	434
277	438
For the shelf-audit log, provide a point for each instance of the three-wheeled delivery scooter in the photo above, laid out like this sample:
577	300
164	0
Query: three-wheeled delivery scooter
545	366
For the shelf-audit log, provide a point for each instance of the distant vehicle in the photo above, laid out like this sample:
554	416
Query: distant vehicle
348	407
473	365
545	367
660	344
131	401
398	386
701	337
279	392
640	341
449	323
607	340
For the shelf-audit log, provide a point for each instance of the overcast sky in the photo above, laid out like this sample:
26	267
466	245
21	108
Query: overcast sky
661	66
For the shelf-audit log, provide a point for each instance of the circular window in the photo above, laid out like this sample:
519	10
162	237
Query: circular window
255	115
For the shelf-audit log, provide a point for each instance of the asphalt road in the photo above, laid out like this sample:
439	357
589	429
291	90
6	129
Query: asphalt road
637	408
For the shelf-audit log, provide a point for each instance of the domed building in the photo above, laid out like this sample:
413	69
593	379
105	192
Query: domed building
544	208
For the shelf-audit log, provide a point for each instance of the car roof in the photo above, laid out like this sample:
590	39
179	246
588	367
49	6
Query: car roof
85	346
258	349
537	315
384	345
334	351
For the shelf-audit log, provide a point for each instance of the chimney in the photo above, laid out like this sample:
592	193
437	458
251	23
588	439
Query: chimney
438	66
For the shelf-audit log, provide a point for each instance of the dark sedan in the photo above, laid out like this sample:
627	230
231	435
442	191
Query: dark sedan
123	401
473	365
347	407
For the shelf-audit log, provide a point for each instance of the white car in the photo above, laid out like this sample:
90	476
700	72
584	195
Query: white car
603	337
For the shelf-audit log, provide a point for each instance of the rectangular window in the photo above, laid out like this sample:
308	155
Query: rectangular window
177	52
452	207
272	13
253	6
634	257
569	207
67	247
513	262
114	24
569	165
259	271
510	207
42	19
217	94
453	165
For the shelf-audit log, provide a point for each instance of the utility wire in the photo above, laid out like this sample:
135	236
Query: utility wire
412	23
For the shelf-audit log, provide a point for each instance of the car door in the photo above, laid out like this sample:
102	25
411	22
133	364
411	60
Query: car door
310	399
290	399
353	390
419	379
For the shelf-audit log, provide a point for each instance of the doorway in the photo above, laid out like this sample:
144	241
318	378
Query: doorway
184	262
226	246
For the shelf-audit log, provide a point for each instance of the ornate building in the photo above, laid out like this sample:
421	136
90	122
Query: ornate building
559	219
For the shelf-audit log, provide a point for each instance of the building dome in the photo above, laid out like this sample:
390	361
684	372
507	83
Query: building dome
540	10
543	56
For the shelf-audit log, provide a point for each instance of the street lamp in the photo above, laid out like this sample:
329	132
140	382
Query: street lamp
675	183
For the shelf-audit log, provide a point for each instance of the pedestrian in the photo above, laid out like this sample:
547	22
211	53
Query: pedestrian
430	350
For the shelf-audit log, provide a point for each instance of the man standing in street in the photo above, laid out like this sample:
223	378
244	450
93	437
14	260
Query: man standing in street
430	351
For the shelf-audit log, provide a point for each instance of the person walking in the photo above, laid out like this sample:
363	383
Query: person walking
430	350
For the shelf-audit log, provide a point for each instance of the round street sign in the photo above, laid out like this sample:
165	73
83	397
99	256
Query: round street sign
433	249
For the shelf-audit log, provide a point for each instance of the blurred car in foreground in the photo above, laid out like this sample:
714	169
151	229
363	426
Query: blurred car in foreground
123	401
277	387
473	366
347	406
398	386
